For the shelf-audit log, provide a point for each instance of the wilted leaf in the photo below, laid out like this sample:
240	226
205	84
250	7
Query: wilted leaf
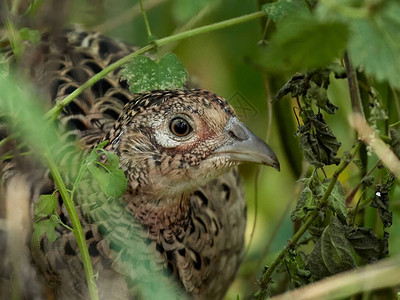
45	206
144	74
45	226
281	8
381	201
368	181
366	244
318	142
337	199
332	253
305	203
395	141
293	263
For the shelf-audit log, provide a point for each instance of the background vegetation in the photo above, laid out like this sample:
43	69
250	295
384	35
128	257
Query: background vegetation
248	64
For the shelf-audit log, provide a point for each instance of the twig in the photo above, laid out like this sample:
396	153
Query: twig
53	113
353	86
146	21
266	277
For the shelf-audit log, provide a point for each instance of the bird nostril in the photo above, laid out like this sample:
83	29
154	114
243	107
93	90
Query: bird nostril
238	133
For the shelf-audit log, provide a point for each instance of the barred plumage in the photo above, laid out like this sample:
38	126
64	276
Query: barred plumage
175	217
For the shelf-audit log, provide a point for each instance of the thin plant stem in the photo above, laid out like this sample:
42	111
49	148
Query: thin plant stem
266	277
146	21
355	97
77	227
53	113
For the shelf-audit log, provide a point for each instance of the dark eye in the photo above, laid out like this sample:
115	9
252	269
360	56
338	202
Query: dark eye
180	127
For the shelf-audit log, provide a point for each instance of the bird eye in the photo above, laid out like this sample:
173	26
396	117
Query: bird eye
180	127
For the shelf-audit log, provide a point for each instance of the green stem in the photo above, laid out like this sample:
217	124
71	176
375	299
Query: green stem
53	113
146	21
262	292
77	227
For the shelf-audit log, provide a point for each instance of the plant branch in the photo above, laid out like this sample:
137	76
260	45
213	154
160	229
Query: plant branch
353	86
266	277
77	227
53	113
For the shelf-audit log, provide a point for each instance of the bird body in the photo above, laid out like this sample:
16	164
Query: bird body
181	222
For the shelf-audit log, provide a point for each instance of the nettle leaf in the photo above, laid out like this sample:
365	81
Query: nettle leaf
375	42
337	199
305	203
45	206
320	95
365	242
304	42
45	226
332	253
280	9
144	74
381	201
318	142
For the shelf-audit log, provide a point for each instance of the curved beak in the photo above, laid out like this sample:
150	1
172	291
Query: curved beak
245	146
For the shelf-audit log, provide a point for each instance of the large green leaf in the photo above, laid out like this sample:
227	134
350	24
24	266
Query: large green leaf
144	74
302	42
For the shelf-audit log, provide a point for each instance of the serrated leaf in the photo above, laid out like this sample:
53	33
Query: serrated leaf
280	9
375	43
45	226
305	203
143	74
365	242
318	142
332	253
45	206
111	180
303	42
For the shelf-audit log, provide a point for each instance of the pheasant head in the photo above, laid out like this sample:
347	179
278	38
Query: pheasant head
171	142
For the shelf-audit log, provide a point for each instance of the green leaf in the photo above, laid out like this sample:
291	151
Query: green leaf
45	206
293	263
280	9
375	43
31	35
111	180
303	42
144	74
184	10
332	253
45	226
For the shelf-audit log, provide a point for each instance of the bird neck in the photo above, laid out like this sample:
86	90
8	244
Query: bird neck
159	215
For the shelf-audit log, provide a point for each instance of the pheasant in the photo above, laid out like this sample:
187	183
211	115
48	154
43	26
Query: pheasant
182	219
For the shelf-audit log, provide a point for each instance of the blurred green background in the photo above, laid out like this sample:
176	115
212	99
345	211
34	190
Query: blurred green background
226	62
